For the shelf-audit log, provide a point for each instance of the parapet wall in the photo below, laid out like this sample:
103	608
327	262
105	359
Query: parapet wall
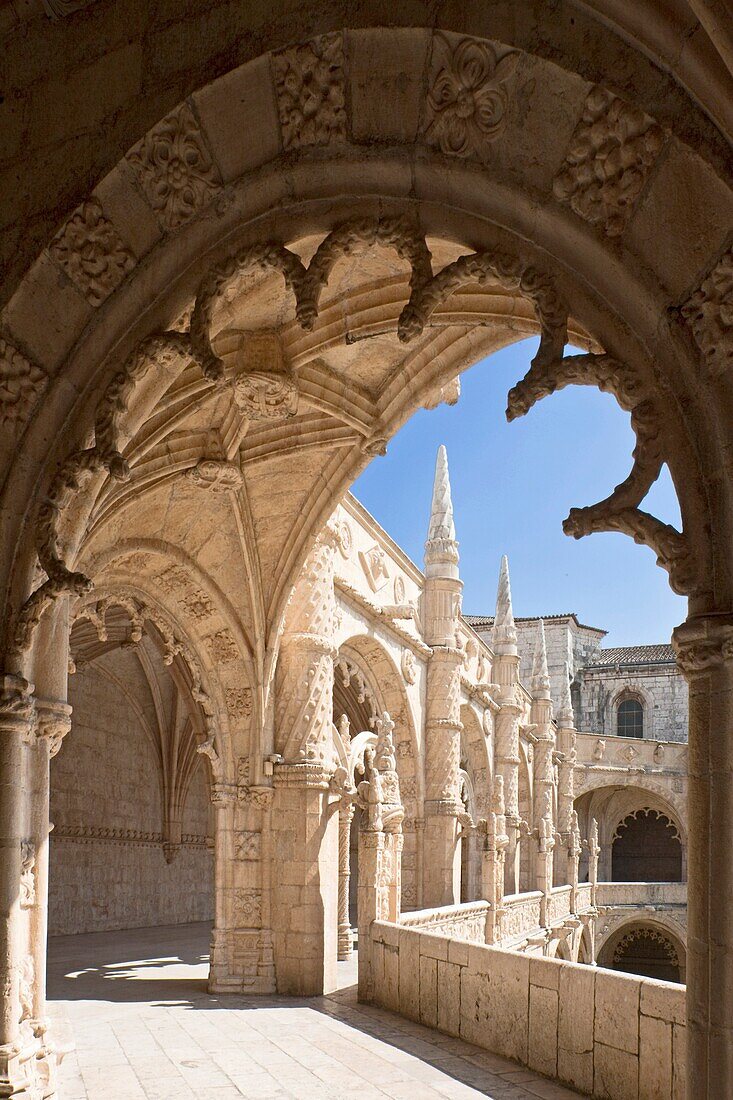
612	1036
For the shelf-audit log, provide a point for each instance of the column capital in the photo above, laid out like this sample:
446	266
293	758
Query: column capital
17	706
703	642
302	775
53	723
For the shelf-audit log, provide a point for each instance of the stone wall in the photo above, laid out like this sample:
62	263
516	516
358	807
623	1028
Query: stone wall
661	690
614	1036
107	864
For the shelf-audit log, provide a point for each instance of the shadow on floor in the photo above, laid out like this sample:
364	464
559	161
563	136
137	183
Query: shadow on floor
168	967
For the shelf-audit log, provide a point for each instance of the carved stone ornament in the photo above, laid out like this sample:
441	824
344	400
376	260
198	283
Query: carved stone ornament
239	702
91	252
611	151
175	169
248	845
468	97
374	563
702	644
344	538
266	395
222	647
399	589
27	877
248	907
310	84
709	313
21	385
216	475
409	666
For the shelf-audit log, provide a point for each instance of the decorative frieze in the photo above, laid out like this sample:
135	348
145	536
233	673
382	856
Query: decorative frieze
468	96
310	85
709	313
611	152
21	385
175	169
91	252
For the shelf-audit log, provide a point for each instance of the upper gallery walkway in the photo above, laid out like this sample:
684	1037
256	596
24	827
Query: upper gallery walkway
135	1006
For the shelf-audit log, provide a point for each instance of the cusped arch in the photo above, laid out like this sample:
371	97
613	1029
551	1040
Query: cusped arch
661	925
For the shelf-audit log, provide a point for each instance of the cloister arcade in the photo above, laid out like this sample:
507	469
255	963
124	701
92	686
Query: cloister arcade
271	244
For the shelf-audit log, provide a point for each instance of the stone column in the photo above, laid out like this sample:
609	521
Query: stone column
223	797
545	845
704	647
573	850
594	851
380	847
567	747
345	939
17	719
53	723
506	723
305	819
441	851
441	605
494	855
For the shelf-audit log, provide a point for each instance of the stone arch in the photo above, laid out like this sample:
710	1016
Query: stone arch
646	847
526	813
585	947
644	307
610	805
657	930
475	753
194	233
384	681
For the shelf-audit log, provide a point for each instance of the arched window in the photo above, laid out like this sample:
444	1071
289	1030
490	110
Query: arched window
630	718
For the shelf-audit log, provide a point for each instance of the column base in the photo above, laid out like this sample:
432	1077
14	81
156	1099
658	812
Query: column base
242	962
345	948
28	1069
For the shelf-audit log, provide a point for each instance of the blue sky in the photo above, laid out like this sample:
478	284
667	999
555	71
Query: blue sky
513	484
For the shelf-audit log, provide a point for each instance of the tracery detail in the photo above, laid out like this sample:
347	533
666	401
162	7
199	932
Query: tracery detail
709	313
620	511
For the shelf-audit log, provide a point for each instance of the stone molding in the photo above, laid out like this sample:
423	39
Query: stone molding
53	723
21	386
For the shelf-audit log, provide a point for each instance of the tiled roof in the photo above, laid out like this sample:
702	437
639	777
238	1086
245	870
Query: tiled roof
485	622
634	655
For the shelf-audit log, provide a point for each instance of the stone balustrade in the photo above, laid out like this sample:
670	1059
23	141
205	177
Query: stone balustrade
621	753
641	893
466	922
615	1036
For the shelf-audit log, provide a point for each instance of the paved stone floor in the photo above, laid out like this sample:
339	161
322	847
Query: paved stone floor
144	1028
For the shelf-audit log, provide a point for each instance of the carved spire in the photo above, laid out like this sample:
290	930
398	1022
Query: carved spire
441	549
505	632
565	713
540	675
441	512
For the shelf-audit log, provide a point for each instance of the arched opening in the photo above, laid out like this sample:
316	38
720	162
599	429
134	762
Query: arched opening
646	848
630	717
647	949
307	405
